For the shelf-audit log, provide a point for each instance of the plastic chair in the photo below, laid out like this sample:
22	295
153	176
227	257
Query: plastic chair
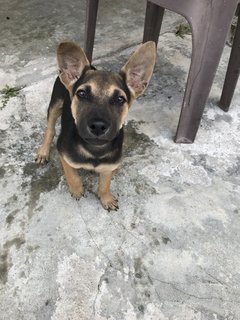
233	70
210	21
90	27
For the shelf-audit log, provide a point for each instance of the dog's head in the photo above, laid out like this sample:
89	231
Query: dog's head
100	100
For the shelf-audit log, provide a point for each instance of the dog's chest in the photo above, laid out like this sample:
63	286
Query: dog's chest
101	167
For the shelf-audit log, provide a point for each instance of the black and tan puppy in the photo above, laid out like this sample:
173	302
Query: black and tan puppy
94	105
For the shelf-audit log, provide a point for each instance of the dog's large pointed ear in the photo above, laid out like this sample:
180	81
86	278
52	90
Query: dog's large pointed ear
139	68
71	62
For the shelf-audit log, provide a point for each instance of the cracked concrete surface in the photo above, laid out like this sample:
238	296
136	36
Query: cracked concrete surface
172	250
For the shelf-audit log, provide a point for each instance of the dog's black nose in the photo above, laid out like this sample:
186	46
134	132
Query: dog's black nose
98	127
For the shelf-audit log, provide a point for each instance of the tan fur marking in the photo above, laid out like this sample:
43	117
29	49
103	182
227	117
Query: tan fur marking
110	91
108	201
100	91
74	108
73	179
85	153
109	154
93	85
77	165
102	168
126	106
87	166
124	115
54	112
106	171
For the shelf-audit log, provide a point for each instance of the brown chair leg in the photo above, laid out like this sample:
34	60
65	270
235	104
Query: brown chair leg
90	26
233	71
153	22
208	44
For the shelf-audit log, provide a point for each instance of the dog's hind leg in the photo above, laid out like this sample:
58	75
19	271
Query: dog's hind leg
54	112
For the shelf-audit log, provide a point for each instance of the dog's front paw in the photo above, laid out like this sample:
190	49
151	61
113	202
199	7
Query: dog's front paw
42	156
76	192
109	202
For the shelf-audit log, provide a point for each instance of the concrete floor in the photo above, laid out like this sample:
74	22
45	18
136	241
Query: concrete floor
172	250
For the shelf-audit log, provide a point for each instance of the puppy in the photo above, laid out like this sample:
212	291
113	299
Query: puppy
94	105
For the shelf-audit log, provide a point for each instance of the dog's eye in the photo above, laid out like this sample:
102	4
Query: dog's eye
120	100
82	94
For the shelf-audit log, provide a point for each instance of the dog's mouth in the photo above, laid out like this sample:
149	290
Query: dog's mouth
96	141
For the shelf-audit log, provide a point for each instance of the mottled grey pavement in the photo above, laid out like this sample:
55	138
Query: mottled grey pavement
172	250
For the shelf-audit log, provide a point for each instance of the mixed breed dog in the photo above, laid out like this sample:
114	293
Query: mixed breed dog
94	105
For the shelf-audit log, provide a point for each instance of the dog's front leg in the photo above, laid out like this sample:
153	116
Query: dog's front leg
108	201
73	180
